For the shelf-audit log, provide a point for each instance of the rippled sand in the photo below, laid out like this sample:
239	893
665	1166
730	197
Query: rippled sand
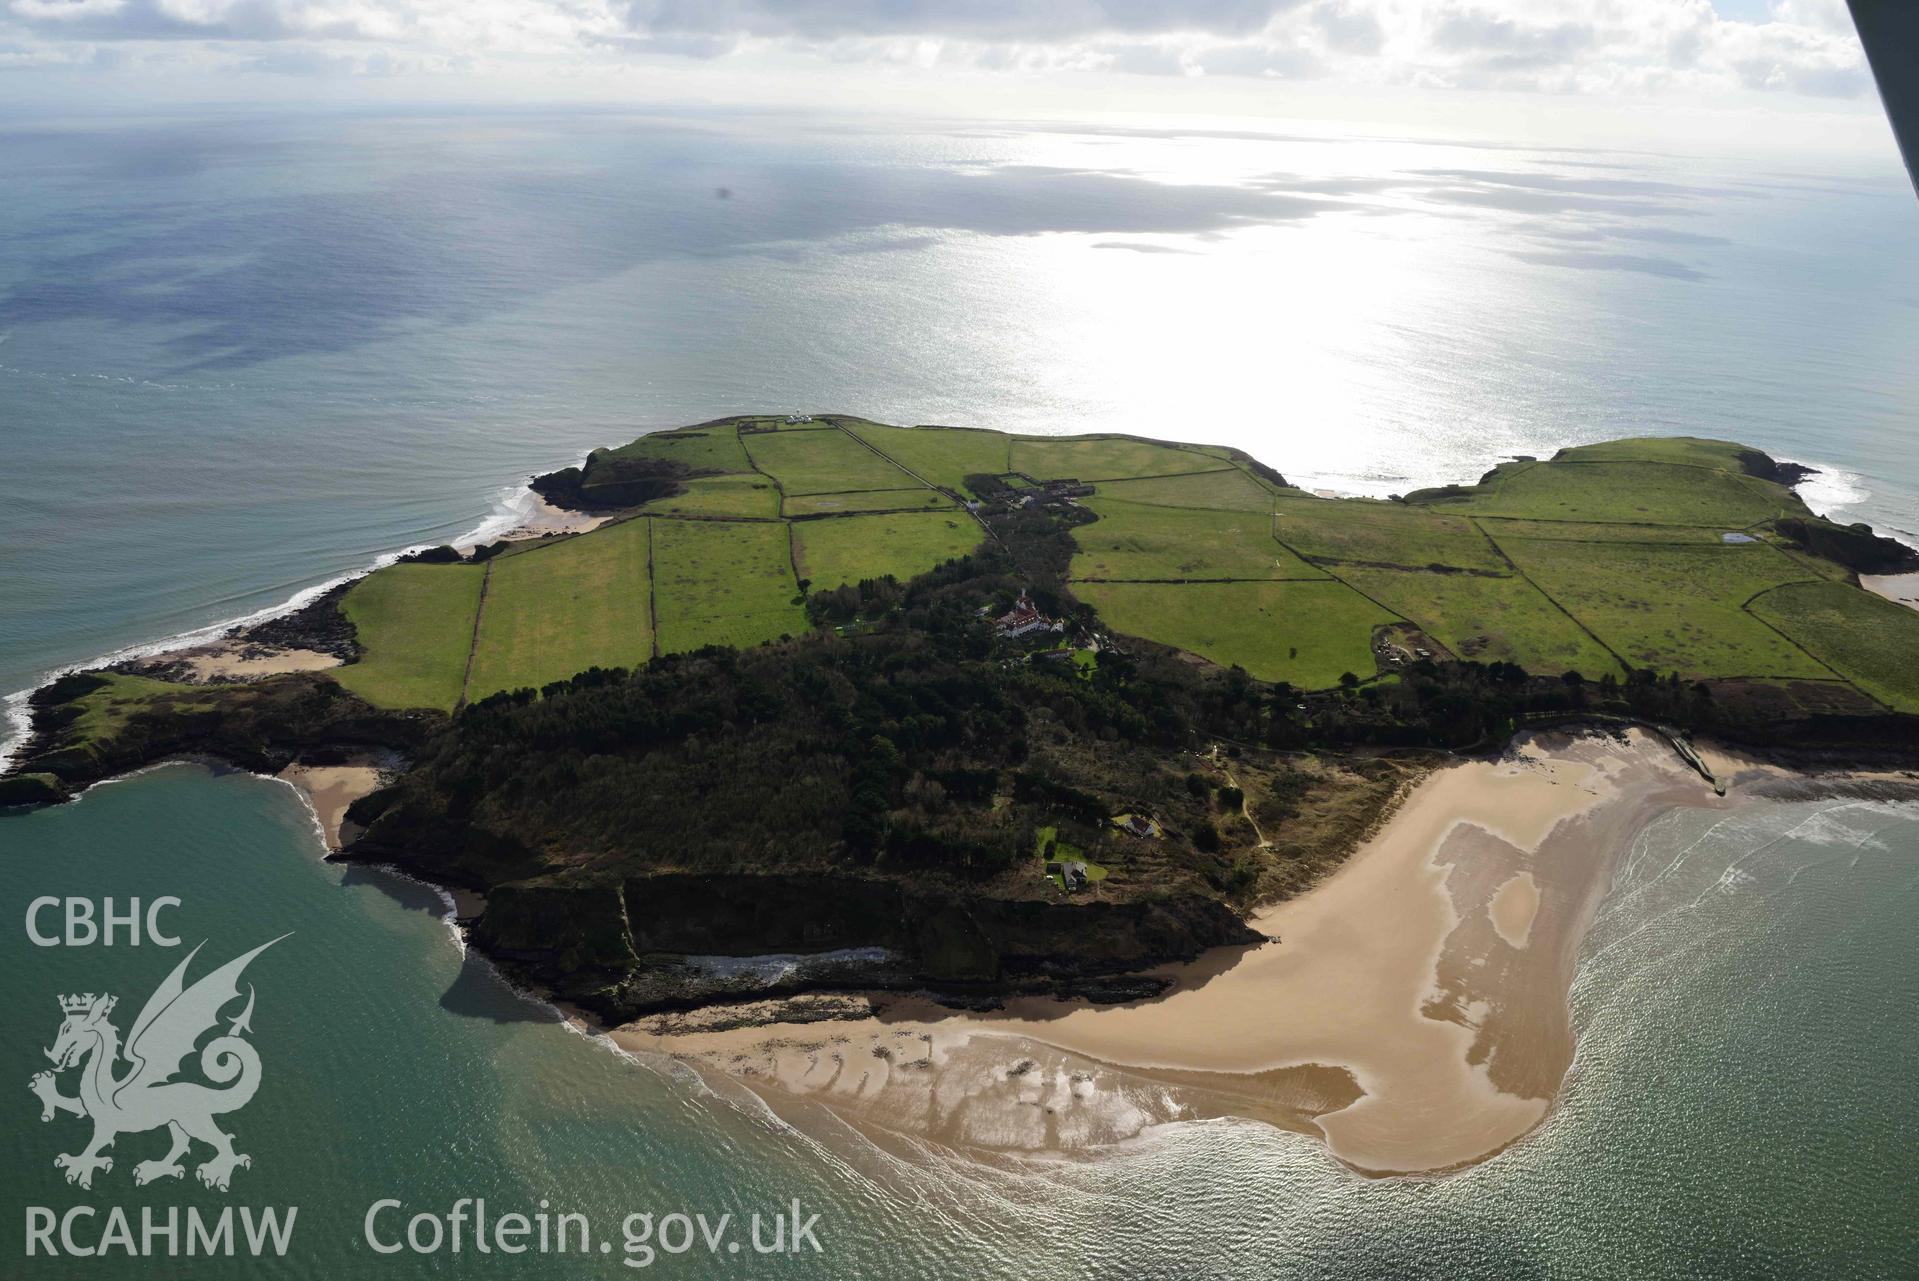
1412	1009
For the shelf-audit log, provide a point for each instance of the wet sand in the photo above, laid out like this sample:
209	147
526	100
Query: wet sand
1413	1012
330	789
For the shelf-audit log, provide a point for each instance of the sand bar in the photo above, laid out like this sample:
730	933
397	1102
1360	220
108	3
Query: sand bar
1393	1017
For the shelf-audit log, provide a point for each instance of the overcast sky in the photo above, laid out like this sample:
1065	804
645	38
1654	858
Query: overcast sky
1384	59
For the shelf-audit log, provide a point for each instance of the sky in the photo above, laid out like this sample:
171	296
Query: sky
1630	69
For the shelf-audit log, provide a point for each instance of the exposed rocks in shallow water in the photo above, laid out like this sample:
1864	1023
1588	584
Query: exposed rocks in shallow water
317	625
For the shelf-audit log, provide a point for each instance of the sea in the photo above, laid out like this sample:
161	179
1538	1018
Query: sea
244	354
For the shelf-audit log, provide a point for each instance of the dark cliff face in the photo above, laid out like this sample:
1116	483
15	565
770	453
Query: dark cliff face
261	726
610	483
1854	546
621	949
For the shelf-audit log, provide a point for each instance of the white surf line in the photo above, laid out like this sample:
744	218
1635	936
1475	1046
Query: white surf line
512	506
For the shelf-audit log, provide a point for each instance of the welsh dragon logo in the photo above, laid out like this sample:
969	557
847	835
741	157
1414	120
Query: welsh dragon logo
145	1096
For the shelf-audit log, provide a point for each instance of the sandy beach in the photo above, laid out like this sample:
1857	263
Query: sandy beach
1903	588
330	789
543	518
1412	1012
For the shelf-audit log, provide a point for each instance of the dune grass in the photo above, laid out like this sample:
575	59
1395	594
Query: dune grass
415	623
848	549
1868	639
562	608
723	583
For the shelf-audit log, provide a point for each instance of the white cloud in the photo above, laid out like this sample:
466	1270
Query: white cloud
1632	47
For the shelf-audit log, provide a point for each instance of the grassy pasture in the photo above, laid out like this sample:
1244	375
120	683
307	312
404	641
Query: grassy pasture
1350	529
1307	633
1675	608
1485	618
705	448
943	455
869	500
847	549
416	623
744	494
1686	451
562	608
1227	490
1132	540
1103	458
1868	639
825	460
723	583
1603	532
1629	492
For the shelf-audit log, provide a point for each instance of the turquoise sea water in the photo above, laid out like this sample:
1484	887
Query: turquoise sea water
1742	1104
239	356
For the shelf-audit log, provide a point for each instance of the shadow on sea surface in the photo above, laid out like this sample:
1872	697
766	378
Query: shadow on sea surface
461	224
477	991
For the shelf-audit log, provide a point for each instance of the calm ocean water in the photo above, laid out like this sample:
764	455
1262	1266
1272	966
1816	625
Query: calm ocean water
241	356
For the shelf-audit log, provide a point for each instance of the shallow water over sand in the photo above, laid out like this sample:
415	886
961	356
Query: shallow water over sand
1742	1102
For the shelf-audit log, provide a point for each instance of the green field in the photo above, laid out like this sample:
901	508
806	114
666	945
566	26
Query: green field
1645	493
1866	638
714	448
1607	532
1685	451
1103	458
1611	547
1367	532
416	624
1486	619
562	608
824	460
723	583
1228	490
848	549
940	455
745	494
870	500
1305	633
1132	541
1672	608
